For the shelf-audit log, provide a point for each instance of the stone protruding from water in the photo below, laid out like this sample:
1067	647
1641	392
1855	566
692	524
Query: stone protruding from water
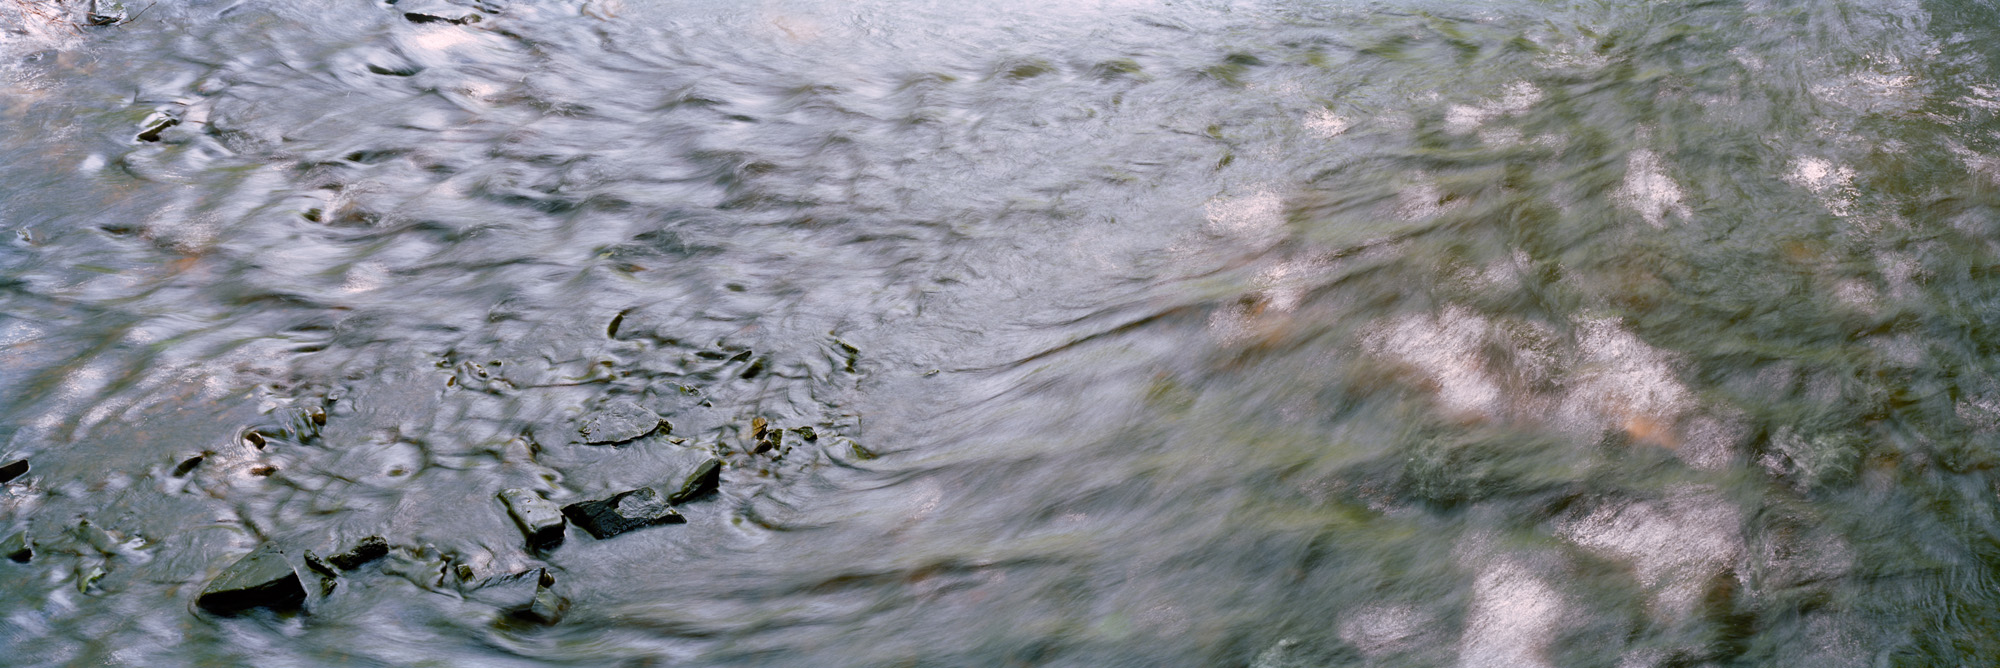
618	422
622	512
328	577
188	464
156	124
541	520
261	579
364	551
314	562
706	477
437	11
12	470
18	548
763	438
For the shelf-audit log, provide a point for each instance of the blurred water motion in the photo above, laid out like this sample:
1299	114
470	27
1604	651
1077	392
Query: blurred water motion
1267	333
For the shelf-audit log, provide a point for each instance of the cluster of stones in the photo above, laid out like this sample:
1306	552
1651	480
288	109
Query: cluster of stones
277	577
542	522
268	577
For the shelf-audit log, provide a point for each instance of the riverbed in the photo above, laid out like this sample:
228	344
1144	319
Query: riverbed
1264	333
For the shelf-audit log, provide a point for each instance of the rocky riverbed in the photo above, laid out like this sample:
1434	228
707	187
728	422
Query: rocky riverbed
1266	333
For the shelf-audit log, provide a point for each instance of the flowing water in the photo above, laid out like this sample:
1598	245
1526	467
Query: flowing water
1269	333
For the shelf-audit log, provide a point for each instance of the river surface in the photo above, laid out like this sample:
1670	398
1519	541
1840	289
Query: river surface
1262	333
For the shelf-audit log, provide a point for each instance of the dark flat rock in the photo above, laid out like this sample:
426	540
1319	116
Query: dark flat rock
622	512
364	551
618	422
541	520
437	11
262	579
18	548
12	470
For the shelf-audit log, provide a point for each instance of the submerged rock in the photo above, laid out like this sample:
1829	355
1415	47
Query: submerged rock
18	548
96	537
87	575
622	512
618	422
1290	653
364	551
547	608
540	519
12	470
513	590
706	477
263	578
527	595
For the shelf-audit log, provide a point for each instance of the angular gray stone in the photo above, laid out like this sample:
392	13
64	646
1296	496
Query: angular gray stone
18	548
263	578
541	520
546	609
513	590
622	512
705	478
527	595
618	422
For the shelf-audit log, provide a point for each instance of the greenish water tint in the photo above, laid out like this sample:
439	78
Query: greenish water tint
1126	333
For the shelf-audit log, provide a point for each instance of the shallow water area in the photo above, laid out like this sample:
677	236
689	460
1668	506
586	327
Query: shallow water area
1268	333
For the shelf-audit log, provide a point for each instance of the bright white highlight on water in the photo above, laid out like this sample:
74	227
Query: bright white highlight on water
1649	190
